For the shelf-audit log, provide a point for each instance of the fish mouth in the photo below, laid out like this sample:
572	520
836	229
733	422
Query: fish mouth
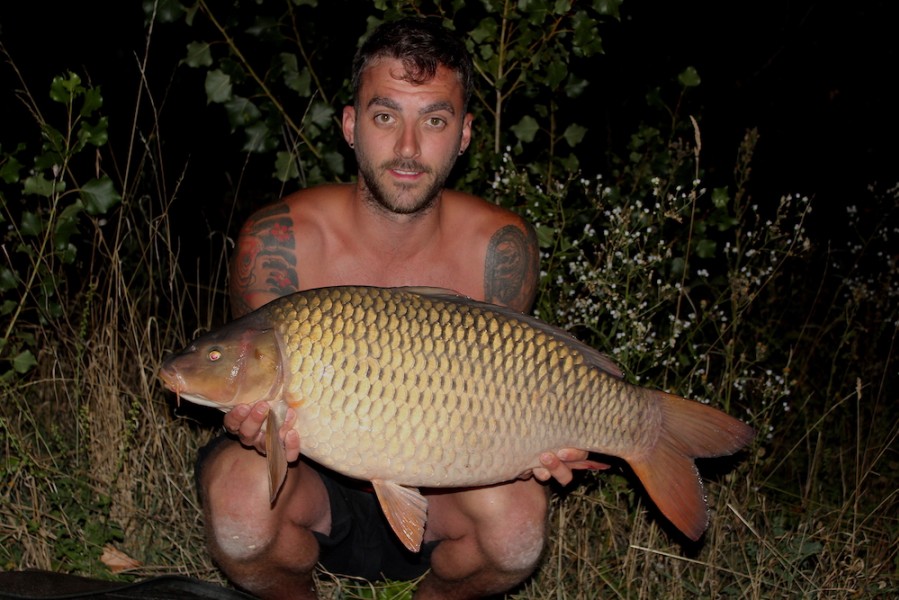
172	380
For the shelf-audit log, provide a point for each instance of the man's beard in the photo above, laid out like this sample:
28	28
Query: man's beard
401	199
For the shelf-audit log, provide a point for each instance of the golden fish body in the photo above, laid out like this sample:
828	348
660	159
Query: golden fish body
411	387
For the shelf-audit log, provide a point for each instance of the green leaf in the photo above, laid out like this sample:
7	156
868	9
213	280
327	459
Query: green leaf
259	138
62	89
199	54
8	281
218	87
608	7
241	112
24	362
93	100
574	134
10	169
526	129
286	166
67	225
706	248
41	186
298	80
320	114
720	197
167	11
94	134
689	77
99	196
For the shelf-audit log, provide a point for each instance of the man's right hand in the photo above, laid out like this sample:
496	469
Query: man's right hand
247	422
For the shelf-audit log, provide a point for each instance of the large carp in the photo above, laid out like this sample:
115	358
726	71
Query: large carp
409	387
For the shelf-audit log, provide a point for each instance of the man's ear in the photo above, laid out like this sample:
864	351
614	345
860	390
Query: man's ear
466	132
349	125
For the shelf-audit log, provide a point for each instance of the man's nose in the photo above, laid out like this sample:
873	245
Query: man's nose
407	145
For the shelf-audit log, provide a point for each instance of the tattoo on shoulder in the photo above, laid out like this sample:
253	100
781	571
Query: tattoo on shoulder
510	273
267	257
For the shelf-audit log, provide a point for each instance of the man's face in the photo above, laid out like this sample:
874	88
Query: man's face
407	137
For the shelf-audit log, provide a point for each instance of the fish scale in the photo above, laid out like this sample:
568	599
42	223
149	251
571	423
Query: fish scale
418	387
371	344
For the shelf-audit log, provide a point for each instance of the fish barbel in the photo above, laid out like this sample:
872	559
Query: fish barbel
409	387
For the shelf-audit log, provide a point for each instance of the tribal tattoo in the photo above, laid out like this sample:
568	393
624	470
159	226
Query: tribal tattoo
510	272
268	254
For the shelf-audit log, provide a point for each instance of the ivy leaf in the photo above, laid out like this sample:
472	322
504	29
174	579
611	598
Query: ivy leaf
24	362
526	129
8	281
99	195
297	80
93	100
608	7
720	197
241	112
259	138
198	55
9	170
320	114
218	87
41	186
94	134
706	248
574	134
62	89
286	166
689	77
67	225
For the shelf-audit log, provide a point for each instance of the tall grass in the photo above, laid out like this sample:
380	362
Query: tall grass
704	292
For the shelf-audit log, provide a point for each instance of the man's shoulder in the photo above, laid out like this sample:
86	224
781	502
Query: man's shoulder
302	204
470	207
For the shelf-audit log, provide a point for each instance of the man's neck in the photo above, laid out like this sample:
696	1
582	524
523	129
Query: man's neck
400	235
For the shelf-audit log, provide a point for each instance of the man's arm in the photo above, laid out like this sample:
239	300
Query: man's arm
512	267
264	266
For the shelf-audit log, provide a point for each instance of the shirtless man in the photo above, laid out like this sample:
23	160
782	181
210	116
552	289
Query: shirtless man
395	226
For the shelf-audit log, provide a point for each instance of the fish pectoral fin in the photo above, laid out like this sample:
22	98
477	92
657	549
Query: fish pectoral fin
274	452
406	511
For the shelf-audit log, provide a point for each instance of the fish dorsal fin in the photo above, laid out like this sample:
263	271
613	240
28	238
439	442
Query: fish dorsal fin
406	511
274	450
593	356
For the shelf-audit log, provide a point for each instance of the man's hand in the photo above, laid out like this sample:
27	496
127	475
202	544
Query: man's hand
560	466
247	421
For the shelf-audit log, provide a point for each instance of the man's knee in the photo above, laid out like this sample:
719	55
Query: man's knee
516	546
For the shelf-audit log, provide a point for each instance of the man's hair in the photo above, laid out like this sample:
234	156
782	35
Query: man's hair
422	46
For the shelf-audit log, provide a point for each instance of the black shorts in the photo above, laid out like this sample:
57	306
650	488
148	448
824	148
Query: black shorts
361	543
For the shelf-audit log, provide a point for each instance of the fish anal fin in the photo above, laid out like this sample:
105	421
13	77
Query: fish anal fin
275	456
406	511
688	430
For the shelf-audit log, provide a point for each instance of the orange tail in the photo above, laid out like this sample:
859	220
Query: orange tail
688	430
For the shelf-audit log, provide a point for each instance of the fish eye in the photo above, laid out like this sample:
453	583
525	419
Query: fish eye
214	354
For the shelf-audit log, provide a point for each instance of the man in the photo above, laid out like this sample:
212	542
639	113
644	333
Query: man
395	226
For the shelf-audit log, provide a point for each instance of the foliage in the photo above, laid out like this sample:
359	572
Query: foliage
281	86
45	219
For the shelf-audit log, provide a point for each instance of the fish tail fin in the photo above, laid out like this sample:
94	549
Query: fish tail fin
689	430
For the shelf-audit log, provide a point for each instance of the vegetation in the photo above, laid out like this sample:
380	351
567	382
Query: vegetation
693	285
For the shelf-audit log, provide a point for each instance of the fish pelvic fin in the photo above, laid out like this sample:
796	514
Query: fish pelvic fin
275	456
689	430
406	511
